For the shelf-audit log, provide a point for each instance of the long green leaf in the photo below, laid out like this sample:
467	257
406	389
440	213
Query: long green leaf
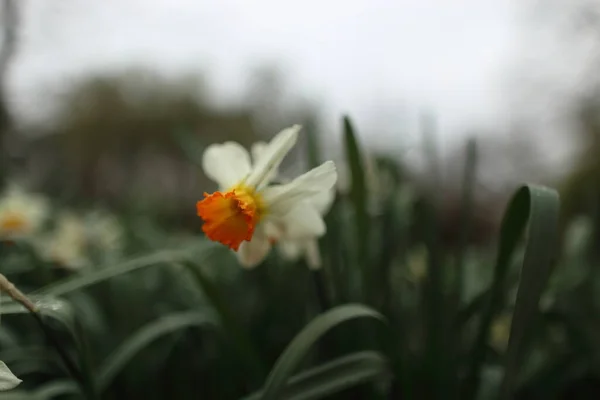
116	361
539	206
302	343
468	197
81	281
334	376
46	392
359	200
244	345
540	256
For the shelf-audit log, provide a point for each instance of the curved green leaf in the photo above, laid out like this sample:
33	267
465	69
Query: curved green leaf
540	207
358	194
46	392
54	389
334	376
298	349
103	274
540	257
115	362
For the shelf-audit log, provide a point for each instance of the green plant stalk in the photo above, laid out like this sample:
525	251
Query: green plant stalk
86	385
358	195
320	286
254	363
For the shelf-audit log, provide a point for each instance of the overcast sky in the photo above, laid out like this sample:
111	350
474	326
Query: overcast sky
363	57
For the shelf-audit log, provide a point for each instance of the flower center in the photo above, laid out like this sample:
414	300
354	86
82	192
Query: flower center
230	217
12	222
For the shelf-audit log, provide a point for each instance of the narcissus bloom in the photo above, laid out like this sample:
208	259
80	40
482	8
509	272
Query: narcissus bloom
22	214
66	245
246	209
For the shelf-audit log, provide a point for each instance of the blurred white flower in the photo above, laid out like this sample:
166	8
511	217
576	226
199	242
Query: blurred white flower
104	232
22	214
245	209
66	245
8	380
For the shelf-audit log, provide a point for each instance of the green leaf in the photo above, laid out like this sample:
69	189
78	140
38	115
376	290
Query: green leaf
46	392
54	389
334	376
102	274
302	343
312	143
115	362
359	199
243	344
540	255
540	207
468	196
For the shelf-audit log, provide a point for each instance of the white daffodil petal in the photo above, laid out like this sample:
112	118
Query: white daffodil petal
322	201
290	249
272	157
313	255
252	253
303	221
258	150
282	197
226	164
8	380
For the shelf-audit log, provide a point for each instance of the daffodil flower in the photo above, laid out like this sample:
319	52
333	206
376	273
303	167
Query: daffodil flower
22	214
291	245
308	247
246	209
66	245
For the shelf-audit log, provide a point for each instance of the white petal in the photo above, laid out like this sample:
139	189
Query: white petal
252	253
226	164
303	221
322	201
272	157
282	198
8	380
290	249
313	255
258	149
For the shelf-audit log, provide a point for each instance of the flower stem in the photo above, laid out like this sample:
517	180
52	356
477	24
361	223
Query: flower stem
320	289
85	385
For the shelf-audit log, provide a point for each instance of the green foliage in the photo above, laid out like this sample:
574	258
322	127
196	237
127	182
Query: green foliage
176	317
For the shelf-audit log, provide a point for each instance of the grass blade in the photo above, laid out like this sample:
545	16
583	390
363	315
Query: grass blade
102	274
540	254
538	206
334	376
300	346
358	194
468	197
115	362
246	349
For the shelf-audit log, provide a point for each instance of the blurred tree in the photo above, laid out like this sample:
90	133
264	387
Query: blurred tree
114	140
10	24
